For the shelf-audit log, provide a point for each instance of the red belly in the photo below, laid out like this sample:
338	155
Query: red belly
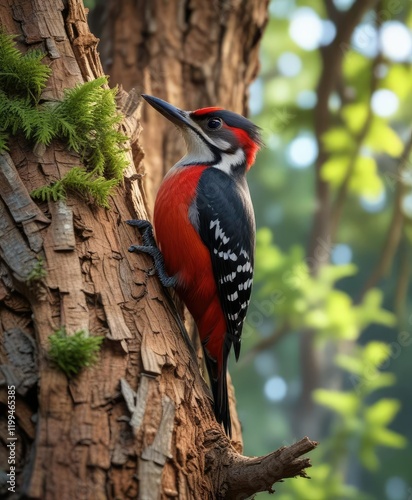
184	253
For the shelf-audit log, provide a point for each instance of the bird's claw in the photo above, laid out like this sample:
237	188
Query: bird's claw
150	247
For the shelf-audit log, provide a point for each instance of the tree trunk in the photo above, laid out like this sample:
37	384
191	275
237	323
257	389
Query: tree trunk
317	364
139	424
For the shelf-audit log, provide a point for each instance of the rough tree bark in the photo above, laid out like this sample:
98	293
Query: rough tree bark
140	423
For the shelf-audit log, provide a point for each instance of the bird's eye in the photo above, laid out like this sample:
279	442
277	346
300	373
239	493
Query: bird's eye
214	123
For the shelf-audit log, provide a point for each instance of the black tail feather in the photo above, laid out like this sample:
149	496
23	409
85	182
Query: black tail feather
236	347
218	382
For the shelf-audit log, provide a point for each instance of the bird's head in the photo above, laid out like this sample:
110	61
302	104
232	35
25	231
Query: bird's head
213	136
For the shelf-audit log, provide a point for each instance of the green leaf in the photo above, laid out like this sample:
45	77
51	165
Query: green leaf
270	257
370	310
350	364
382	412
88	120
333	273
355	115
334	169
365	179
317	319
338	140
37	273
343	403
375	353
340	309
383	139
368	458
399	80
391	439
376	380
355	64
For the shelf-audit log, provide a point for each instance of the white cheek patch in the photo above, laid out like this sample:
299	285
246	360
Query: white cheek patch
229	161
220	143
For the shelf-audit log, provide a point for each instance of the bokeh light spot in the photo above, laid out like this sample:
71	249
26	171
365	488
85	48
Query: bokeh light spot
289	64
302	151
365	40
375	203
265	364
334	102
275	389
280	8
341	254
274	142
384	102
396	41
306	99
328	32
343	4
396	488
407	205
256	97
306	28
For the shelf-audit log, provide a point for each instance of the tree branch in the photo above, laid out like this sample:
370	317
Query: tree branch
244	476
394	233
402	285
331	10
332	57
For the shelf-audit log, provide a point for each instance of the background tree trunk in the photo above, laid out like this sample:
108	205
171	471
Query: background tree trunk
189	52
139	423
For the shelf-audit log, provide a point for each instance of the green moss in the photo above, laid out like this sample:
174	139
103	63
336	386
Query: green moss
86	119
79	180
22	74
37	273
72	353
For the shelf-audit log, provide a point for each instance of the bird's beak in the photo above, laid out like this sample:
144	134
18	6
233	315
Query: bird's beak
175	115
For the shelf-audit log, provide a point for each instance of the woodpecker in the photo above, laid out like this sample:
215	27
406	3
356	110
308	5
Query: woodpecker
205	232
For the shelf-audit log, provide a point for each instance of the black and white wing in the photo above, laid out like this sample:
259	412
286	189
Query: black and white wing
226	225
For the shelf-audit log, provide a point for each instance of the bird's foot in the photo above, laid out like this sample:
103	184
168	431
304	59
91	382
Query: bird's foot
150	247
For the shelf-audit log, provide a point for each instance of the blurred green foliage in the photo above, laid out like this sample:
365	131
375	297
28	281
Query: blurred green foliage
304	301
361	325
